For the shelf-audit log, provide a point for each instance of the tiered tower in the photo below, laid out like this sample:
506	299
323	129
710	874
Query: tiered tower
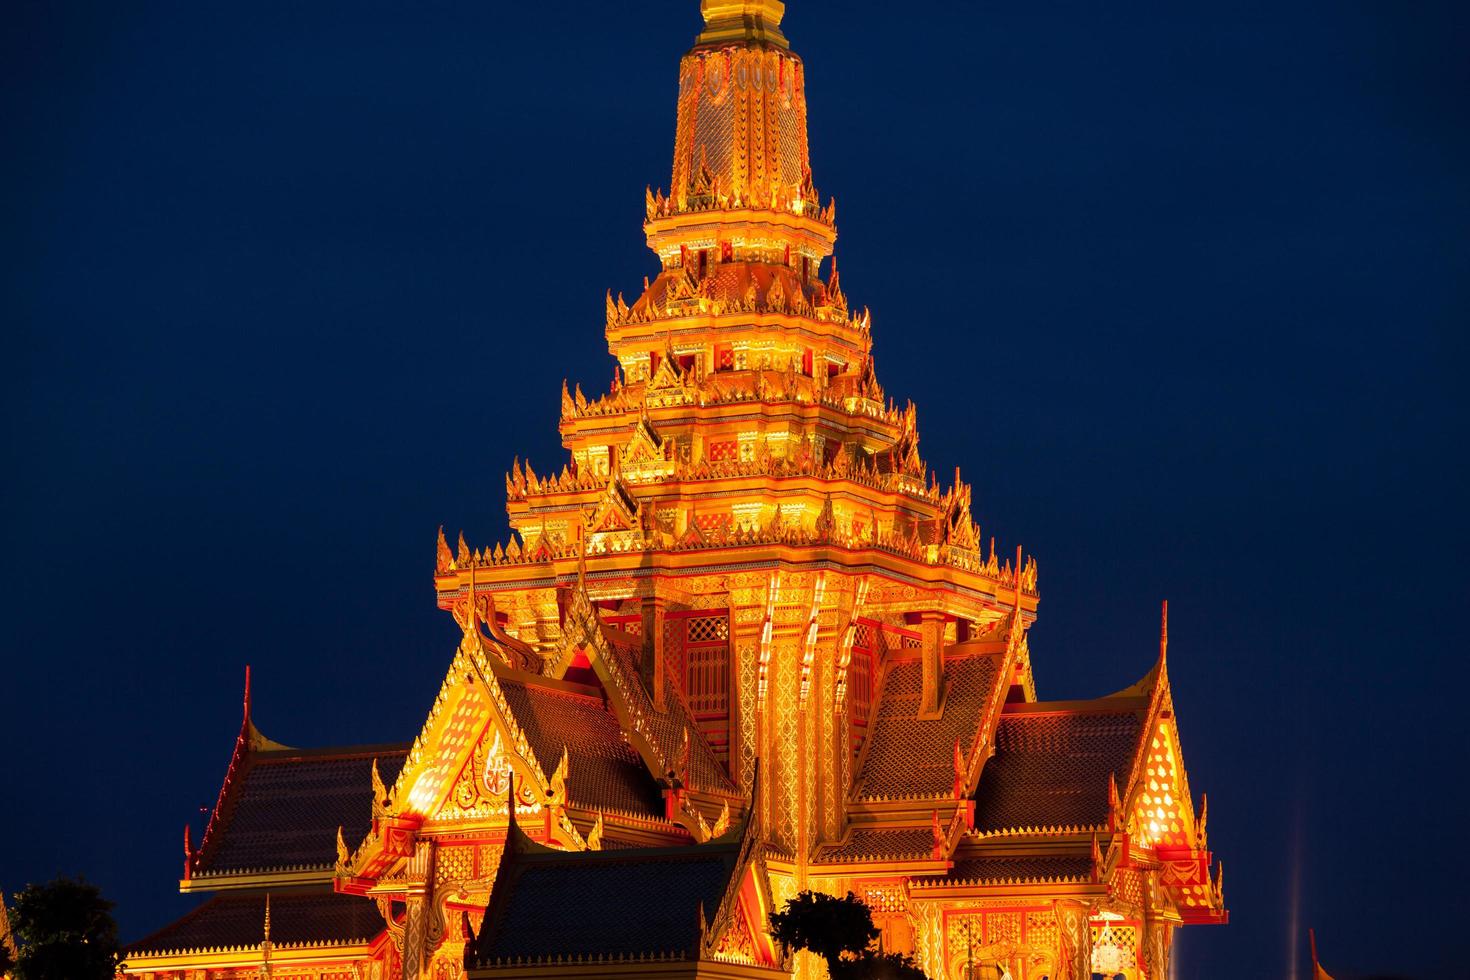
742	642
744	479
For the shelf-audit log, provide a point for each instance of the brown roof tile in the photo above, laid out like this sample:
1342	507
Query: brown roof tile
238	922
669	727
1016	869
284	807
870	844
1050	769
603	770
630	903
908	758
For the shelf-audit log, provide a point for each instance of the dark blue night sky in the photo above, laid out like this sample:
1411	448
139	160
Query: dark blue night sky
1184	288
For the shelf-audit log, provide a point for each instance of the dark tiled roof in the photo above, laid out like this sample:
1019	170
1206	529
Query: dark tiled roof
668	728
1015	868
914	843
603	770
238	921
1051	770
906	757
632	903
285	807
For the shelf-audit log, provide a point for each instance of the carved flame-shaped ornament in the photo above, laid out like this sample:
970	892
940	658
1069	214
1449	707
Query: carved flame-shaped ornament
497	769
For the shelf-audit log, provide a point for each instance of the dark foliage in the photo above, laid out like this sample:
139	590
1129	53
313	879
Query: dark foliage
824	925
841	931
64	931
871	965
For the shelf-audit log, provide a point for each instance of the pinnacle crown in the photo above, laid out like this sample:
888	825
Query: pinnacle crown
742	20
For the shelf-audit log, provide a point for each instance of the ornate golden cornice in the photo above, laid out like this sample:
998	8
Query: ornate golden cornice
727	21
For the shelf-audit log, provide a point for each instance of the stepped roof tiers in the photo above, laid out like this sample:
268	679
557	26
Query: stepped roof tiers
741	644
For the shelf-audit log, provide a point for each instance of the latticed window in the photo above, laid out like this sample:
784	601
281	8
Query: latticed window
706	682
706	664
860	684
627	622
709	629
697	655
862	668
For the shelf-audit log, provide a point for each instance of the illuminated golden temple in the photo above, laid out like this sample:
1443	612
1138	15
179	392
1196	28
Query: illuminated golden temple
741	644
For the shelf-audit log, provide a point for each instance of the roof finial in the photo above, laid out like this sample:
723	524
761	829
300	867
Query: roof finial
472	615
247	694
1020	553
1164	634
742	20
265	942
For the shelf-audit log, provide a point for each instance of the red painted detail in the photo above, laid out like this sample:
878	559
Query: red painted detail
719	452
690	613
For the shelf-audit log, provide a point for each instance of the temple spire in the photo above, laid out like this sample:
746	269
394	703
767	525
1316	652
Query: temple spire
265	942
728	21
1164	634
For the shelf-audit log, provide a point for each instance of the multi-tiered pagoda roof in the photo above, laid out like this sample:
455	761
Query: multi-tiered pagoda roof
743	642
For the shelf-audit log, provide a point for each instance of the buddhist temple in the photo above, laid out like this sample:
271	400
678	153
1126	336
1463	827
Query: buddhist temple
743	642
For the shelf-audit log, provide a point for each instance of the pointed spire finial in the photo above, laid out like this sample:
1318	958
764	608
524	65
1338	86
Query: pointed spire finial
471	613
443	557
380	793
1164	634
1202	825
265	942
247	694
594	836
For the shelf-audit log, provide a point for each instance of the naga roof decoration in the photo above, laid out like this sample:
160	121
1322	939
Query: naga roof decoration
743	564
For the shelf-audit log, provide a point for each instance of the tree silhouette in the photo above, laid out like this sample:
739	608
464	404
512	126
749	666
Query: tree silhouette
841	932
63	930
